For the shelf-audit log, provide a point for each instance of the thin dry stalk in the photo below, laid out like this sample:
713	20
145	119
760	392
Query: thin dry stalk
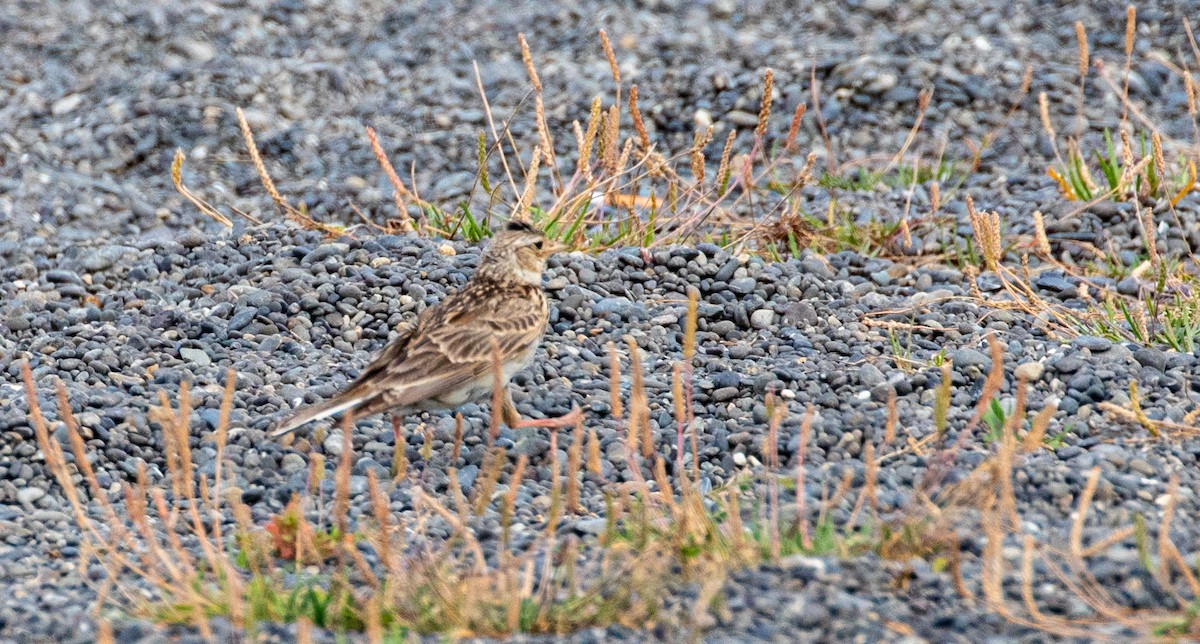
893	416
610	140
493	467
399	192
399	470
1048	125
815	88
638	125
487	110
639	407
1081	38
1130	31
341	494
700	140
1081	512
595	465
589	140
986	227
1037	429
722	177
574	465
525	203
263	175
202	205
764	108
1042	242
801	495
789	142
923	100
383	521
612	63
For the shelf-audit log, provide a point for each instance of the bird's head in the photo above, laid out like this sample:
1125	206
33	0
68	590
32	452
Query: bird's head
518	252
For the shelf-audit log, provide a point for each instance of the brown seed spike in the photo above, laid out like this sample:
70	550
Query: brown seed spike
764	109
638	125
794	128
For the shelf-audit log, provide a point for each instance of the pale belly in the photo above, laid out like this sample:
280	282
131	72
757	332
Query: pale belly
479	389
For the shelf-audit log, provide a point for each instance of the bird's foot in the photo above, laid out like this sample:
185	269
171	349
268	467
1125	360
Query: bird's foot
572	418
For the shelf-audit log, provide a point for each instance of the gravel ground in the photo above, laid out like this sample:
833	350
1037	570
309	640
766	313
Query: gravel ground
111	283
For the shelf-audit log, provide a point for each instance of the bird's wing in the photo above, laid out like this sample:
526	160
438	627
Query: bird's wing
451	345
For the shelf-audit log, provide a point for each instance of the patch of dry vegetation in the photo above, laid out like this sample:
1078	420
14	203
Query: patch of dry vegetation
169	557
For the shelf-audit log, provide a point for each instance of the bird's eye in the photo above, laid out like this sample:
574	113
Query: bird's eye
538	244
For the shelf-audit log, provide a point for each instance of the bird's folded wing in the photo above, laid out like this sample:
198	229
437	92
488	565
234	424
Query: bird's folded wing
450	348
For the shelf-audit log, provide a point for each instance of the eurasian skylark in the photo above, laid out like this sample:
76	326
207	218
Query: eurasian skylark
446	358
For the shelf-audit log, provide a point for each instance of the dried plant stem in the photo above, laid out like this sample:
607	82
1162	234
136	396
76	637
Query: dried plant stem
399	192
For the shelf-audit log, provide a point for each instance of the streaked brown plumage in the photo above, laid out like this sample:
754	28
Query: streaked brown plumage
445	359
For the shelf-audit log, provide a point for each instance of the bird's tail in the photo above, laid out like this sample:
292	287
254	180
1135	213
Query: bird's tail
316	412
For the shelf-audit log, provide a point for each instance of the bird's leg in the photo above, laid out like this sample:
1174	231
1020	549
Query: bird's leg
514	420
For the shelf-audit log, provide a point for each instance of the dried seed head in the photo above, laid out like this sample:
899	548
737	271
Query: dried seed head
522	210
1190	86
612	62
1130	28
529	68
723	168
1160	165
589	139
1039	233
986	227
1081	37
638	125
794	128
1044	113
764	109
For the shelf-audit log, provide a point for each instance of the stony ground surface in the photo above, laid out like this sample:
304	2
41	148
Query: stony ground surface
110	282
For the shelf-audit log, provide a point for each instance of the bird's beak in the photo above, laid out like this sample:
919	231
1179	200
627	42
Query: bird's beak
554	246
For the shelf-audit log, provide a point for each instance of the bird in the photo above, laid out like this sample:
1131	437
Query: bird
446	358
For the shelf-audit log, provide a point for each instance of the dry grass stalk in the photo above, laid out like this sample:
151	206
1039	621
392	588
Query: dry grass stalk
923	100
527	58
594	464
298	216
1048	125
521	211
700	140
493	466
986	227
399	192
574	467
612	63
203	206
815	89
722	178
764	107
383	521
638	125
1075	541
789	142
263	175
1081	38
801	495
1037	429
1146	219
639	408
399	469
1041	241
935	197
610	141
1130	30
341	490
893	416
589	139
941	405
